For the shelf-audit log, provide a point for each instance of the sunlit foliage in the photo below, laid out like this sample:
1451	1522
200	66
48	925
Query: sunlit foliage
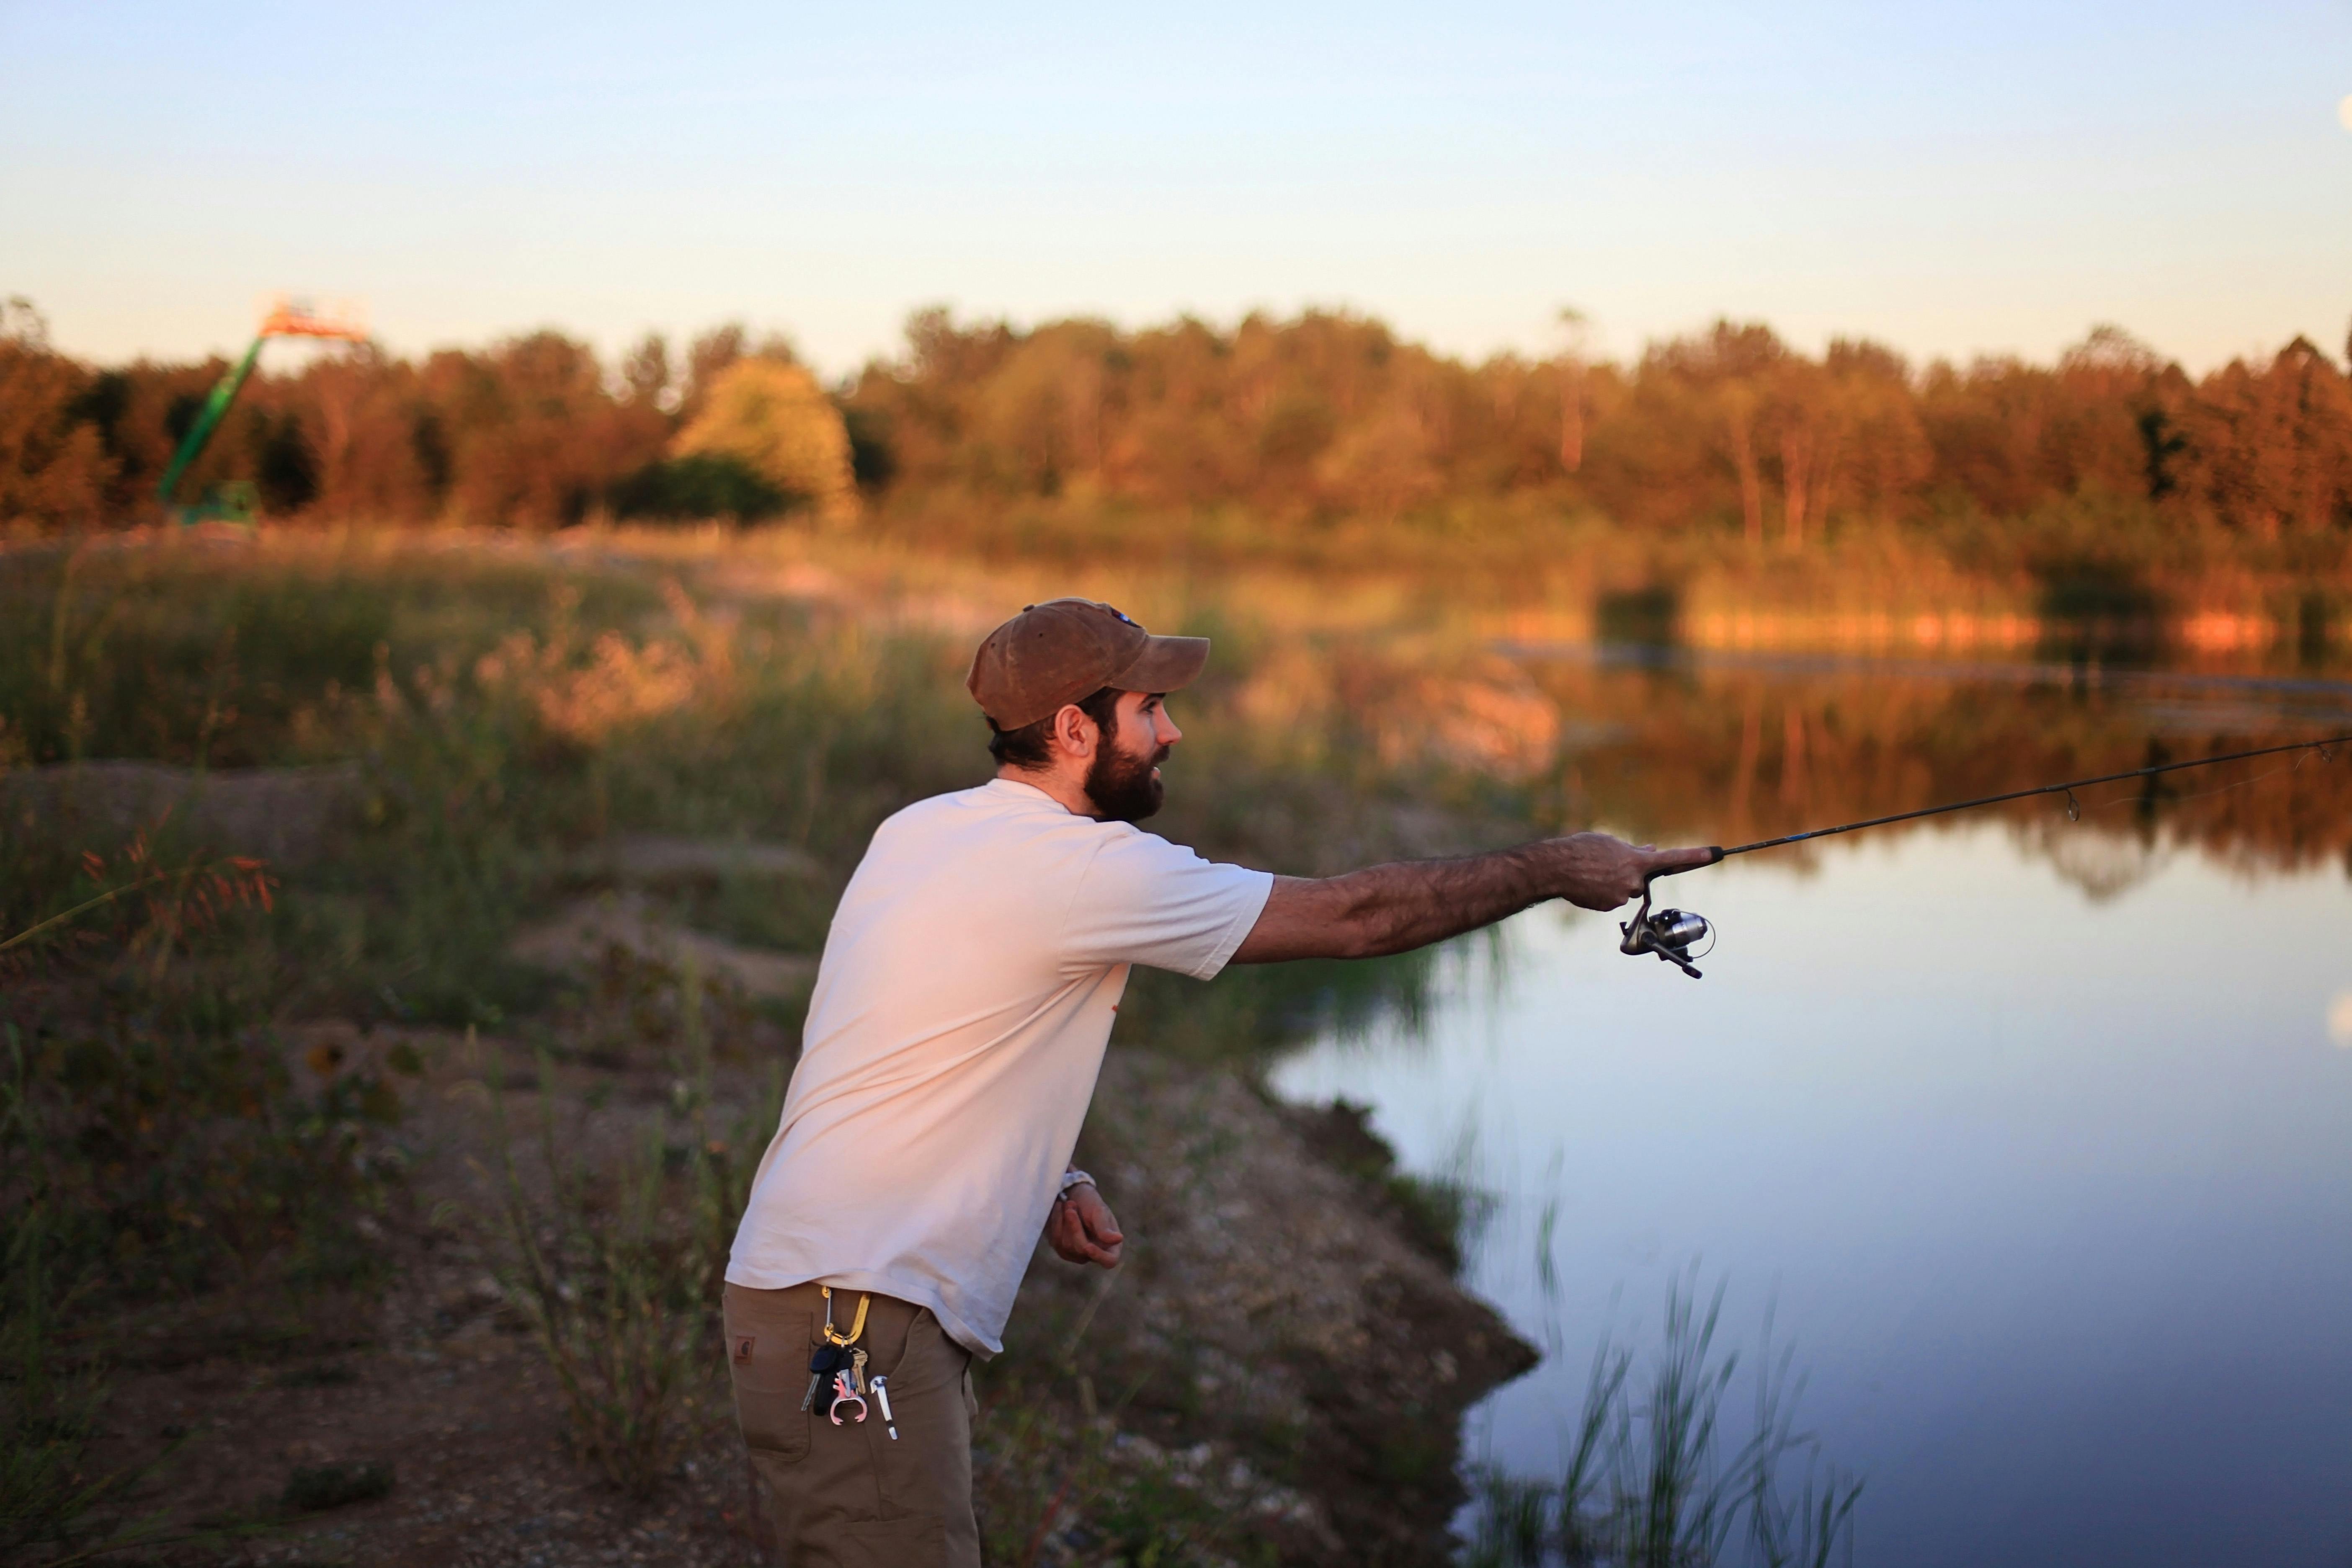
1730	431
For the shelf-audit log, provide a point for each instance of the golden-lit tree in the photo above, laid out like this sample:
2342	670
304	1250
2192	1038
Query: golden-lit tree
2269	451
770	414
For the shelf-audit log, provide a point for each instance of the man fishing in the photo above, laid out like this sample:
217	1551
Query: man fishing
961	1008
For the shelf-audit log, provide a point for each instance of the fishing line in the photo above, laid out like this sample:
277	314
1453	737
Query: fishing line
2067	787
2320	747
1670	935
2200	793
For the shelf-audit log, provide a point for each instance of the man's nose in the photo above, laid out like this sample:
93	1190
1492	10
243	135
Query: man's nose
1167	733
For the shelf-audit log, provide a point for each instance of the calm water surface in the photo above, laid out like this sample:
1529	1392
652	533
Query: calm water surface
2051	1190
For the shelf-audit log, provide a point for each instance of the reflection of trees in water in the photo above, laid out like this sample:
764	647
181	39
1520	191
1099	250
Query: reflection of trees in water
1371	747
2099	860
1730	756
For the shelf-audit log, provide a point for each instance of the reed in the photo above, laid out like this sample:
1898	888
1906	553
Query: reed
1653	1481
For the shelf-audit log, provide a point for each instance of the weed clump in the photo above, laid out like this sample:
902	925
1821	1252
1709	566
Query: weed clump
616	1269
49	1411
154	1118
173	1163
314	1488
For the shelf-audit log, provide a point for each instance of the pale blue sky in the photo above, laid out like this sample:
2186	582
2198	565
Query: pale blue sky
1949	178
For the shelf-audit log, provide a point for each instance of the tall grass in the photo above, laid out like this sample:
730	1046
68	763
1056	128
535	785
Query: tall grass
616	1267
49	1410
53	1396
1652	1480
155	1123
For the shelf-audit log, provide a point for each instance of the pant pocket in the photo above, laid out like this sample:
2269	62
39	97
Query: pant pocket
767	1362
924	1359
926	1471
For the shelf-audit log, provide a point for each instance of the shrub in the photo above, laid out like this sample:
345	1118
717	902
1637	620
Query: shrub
772	417
151	1120
313	1488
701	484
168	1160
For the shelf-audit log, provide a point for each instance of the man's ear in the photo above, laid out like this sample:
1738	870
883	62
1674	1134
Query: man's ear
1076	732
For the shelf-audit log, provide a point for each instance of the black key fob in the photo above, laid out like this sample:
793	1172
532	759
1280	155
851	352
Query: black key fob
823	1362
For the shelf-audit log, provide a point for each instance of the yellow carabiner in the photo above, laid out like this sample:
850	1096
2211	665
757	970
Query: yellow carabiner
855	1328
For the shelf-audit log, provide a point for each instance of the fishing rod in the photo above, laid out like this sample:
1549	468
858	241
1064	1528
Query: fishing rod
1672	933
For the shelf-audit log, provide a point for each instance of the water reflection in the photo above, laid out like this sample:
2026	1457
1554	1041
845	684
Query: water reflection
1726	748
2045	1163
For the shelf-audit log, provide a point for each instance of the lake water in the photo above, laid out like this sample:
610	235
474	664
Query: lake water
2035	1141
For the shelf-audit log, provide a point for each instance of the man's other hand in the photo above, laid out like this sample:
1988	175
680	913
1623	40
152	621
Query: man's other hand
1597	872
1082	1230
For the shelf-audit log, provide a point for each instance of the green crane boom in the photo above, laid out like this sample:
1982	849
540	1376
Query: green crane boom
284	321
208	418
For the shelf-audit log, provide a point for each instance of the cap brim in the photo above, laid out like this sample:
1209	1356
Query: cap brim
1166	664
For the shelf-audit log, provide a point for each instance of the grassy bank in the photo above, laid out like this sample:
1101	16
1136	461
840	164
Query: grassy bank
244	1086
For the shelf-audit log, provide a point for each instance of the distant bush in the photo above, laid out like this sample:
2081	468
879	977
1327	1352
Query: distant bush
770	417
701	486
1648	615
872	461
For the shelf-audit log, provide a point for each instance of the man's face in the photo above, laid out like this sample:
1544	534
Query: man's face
1123	779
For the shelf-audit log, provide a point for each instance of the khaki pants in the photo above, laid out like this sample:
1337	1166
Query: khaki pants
848	1496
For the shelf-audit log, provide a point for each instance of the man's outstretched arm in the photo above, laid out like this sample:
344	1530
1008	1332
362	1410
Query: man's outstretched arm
1412	903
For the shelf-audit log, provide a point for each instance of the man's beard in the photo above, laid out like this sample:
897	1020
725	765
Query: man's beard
1121	784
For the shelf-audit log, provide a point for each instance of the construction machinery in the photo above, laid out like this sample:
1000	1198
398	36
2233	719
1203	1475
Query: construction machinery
236	500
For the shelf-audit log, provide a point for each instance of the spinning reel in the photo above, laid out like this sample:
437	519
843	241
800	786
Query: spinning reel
1669	933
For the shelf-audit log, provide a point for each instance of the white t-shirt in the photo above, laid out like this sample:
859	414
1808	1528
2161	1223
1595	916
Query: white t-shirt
956	1027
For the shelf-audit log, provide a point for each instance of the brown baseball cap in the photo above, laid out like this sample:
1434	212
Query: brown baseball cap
1063	649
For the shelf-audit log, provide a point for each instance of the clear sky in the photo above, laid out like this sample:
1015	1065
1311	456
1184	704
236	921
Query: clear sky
1946	177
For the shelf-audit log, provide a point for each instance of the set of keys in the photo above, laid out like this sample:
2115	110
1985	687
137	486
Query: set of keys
841	1359
843	1369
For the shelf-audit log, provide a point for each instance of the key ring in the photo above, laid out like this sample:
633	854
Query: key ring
842	1395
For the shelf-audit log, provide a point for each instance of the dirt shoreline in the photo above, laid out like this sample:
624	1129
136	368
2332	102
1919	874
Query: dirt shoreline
1278	1353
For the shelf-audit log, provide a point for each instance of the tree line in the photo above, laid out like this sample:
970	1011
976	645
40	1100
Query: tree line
1324	415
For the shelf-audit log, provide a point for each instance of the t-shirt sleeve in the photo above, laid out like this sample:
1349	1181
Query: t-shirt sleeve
1145	901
